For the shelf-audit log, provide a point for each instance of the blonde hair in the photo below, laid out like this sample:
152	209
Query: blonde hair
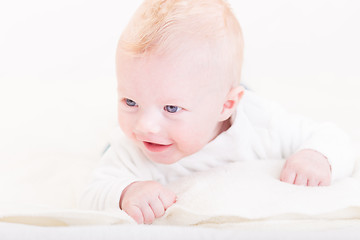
158	26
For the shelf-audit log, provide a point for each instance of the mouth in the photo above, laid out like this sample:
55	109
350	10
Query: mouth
154	147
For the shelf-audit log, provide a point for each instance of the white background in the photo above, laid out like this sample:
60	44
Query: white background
57	73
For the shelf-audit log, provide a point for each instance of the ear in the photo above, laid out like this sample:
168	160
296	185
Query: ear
232	99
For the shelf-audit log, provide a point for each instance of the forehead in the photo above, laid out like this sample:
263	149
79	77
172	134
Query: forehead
178	68
189	72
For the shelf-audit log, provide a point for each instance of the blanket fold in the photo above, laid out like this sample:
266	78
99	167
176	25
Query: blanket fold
237	193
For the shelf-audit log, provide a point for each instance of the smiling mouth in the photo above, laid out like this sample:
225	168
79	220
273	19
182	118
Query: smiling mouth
154	147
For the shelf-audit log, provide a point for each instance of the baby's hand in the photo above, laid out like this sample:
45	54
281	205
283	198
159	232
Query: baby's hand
145	201
307	167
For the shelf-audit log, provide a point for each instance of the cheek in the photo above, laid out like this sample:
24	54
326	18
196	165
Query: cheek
192	137
125	123
187	142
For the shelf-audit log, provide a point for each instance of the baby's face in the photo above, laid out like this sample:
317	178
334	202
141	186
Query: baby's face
170	106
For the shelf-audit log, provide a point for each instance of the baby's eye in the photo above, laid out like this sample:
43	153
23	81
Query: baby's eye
172	109
130	102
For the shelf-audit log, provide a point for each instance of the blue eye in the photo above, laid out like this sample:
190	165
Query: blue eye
172	109
130	102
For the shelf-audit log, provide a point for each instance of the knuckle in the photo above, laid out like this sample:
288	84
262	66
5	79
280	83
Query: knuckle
159	213
149	219
136	214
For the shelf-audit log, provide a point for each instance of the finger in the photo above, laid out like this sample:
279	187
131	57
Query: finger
287	176
313	182
325	182
147	213
300	180
135	213
157	207
284	173
167	198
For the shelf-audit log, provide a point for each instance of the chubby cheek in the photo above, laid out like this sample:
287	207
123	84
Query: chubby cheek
192	139
125	123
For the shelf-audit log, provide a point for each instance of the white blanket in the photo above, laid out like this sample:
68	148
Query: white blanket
249	191
241	193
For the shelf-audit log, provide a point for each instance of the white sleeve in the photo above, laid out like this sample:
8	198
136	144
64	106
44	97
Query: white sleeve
109	180
297	132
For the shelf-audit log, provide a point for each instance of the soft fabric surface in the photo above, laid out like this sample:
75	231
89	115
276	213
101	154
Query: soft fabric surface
251	191
241	193
18	231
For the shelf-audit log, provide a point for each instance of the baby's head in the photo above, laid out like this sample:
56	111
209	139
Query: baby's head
178	68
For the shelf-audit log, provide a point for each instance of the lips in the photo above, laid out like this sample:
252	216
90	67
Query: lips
154	147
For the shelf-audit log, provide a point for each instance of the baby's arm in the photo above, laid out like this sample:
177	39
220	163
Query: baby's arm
315	153
109	179
120	182
307	167
120	166
331	157
146	201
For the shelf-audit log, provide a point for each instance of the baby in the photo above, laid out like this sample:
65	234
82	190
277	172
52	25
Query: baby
181	109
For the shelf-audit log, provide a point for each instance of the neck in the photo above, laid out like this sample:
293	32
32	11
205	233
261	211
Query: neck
225	125
222	127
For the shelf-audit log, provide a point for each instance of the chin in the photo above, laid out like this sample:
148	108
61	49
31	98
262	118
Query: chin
164	160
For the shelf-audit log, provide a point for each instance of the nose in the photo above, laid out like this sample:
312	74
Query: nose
148	122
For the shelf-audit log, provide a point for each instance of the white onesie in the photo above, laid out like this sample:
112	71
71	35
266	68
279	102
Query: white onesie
260	130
